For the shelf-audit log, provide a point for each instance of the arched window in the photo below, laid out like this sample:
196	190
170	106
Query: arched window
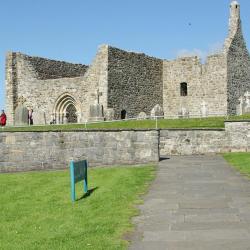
123	114
183	89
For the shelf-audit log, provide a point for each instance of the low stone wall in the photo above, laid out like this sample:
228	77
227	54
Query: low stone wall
21	151
53	150
234	138
192	141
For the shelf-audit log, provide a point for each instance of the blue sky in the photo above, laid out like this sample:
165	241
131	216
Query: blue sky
71	30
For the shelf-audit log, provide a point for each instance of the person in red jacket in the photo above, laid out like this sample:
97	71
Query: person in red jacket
3	119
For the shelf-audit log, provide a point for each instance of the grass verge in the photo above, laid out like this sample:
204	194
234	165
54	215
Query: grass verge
211	122
240	161
36	211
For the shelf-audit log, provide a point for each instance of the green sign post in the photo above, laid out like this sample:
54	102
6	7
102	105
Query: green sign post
78	172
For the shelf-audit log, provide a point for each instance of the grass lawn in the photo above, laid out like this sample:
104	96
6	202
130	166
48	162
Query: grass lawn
36	211
211	122
241	161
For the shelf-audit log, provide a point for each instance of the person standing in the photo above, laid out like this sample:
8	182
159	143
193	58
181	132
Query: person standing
3	119
30	117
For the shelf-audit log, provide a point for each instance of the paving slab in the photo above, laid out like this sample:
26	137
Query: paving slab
195	202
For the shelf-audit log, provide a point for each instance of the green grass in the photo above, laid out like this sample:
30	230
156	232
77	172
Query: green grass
211	122
36	211
241	161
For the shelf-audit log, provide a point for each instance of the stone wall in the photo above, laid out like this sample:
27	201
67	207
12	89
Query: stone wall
51	69
234	138
134	82
206	86
238	61
51	150
192	141
40	83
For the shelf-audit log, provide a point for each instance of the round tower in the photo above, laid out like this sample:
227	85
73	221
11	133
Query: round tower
234	20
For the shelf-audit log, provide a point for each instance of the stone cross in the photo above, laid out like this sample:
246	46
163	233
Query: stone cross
241	105
247	96
241	100
21	100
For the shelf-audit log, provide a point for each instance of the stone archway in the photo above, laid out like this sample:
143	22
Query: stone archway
71	114
65	110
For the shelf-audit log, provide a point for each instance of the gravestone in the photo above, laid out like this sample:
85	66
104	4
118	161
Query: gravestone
183	113
96	112
21	116
142	116
157	111
240	106
204	109
247	103
109	114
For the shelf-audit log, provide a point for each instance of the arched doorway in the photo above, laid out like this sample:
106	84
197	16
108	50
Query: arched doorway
65	110
71	114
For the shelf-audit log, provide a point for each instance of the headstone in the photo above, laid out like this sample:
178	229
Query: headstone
39	117
204	109
21	116
183	113
142	116
109	114
247	103
96	112
240	106
157	111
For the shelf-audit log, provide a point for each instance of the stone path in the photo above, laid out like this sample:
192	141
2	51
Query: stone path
195	203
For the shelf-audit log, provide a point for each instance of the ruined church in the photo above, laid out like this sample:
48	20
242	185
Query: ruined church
120	84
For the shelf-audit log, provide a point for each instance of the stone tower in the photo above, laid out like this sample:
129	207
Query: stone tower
131	83
234	22
238	60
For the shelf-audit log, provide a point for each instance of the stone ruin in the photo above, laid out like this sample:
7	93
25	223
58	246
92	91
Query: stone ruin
121	85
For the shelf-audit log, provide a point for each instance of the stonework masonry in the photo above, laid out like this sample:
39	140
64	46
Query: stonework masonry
234	138
134	82
238	71
29	81
207	85
52	150
21	151
125	84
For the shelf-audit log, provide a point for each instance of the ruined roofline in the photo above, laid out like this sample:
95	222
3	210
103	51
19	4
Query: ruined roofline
18	53
132	52
196	58
45	69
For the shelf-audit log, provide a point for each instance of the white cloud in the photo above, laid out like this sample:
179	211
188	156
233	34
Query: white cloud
214	48
189	53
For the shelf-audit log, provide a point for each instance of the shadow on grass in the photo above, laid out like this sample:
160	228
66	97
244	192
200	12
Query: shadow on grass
86	195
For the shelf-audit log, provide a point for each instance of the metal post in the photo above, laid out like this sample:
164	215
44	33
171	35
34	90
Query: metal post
85	181
73	193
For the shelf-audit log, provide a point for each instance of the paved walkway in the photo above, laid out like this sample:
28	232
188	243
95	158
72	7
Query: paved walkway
195	203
